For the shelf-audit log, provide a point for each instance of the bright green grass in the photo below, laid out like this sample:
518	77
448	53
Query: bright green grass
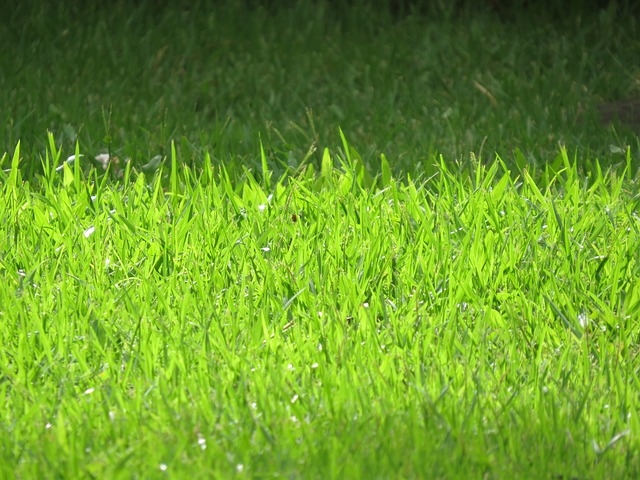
314	327
131	77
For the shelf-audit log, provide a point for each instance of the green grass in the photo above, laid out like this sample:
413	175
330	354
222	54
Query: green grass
274	296
133	78
311	327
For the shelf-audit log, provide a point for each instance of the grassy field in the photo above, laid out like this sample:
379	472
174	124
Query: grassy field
280	277
132	78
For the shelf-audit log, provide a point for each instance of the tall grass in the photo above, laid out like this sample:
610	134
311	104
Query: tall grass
319	325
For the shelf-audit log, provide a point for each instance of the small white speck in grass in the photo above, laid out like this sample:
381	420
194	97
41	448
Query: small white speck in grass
319	347
239	468
47	426
365	304
112	415
583	319
202	442
262	207
314	365
319	314
265	249
294	399
89	231
290	367
89	391
163	467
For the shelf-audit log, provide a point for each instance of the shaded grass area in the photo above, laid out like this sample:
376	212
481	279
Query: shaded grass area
131	77
310	326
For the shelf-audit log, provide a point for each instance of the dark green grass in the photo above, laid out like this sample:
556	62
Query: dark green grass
130	77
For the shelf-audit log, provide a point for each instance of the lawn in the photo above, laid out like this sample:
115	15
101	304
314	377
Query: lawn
318	243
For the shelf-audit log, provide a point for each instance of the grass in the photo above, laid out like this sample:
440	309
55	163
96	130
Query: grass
309	326
130	79
274	296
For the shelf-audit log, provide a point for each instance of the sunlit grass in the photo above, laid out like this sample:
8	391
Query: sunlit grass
318	325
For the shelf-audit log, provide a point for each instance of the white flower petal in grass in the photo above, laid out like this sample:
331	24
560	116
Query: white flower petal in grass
262	207
89	231
89	391
294	399
265	249
239	468
163	467
103	159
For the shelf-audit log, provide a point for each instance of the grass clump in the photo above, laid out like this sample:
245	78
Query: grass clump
314	326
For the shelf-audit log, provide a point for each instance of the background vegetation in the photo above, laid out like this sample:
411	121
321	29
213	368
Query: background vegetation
129	77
